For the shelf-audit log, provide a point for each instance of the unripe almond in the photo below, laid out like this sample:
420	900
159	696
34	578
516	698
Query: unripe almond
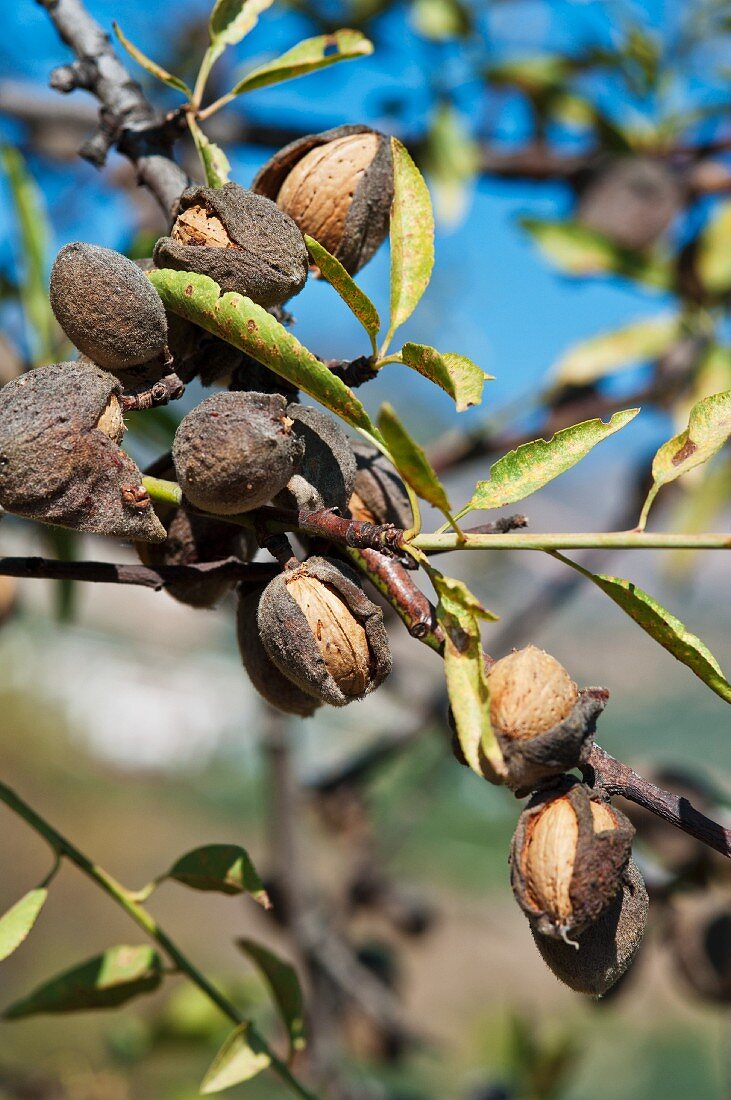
529	693
568	856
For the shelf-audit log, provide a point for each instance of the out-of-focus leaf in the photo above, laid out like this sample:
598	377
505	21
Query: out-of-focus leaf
459	612
412	237
231	20
307	57
709	427
225	868
34	235
105	981
663	626
532	75
614	351
249	327
151	66
441	20
411	461
215	162
713	256
239	1059
695	512
64	546
526	470
284	984
339	279
456	374
452	161
16	924
577	250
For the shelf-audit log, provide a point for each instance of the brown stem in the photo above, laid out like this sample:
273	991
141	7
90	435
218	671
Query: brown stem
618	779
102	572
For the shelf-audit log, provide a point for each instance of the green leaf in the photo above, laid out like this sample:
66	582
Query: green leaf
663	626
456	374
459	612
16	924
34	233
713	256
215	162
709	427
411	461
284	984
412	237
225	868
618	350
240	1058
151	66
105	981
577	250
526	470
339	279
307	57
231	20
249	327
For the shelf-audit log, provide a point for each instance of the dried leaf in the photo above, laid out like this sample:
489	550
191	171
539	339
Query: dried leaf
307	57
412	237
455	374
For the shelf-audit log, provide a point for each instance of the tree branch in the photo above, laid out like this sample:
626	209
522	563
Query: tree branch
126	119
616	778
102	572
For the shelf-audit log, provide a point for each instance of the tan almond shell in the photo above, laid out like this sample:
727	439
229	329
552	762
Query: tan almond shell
326	474
556	750
366	223
530	692
269	262
606	949
57	466
594	861
273	686
107	307
235	451
290	643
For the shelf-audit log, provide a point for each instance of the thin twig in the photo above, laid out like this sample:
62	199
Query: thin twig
145	576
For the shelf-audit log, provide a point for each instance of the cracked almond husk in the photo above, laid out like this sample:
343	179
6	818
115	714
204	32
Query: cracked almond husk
379	494
107	307
323	633
60	460
235	451
543	723
606	949
326	474
338	187
567	859
238	238
277	689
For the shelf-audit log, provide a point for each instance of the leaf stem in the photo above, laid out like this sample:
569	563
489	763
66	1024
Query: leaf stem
209	58
127	901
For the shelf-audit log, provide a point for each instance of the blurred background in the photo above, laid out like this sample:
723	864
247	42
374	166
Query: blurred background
577	155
